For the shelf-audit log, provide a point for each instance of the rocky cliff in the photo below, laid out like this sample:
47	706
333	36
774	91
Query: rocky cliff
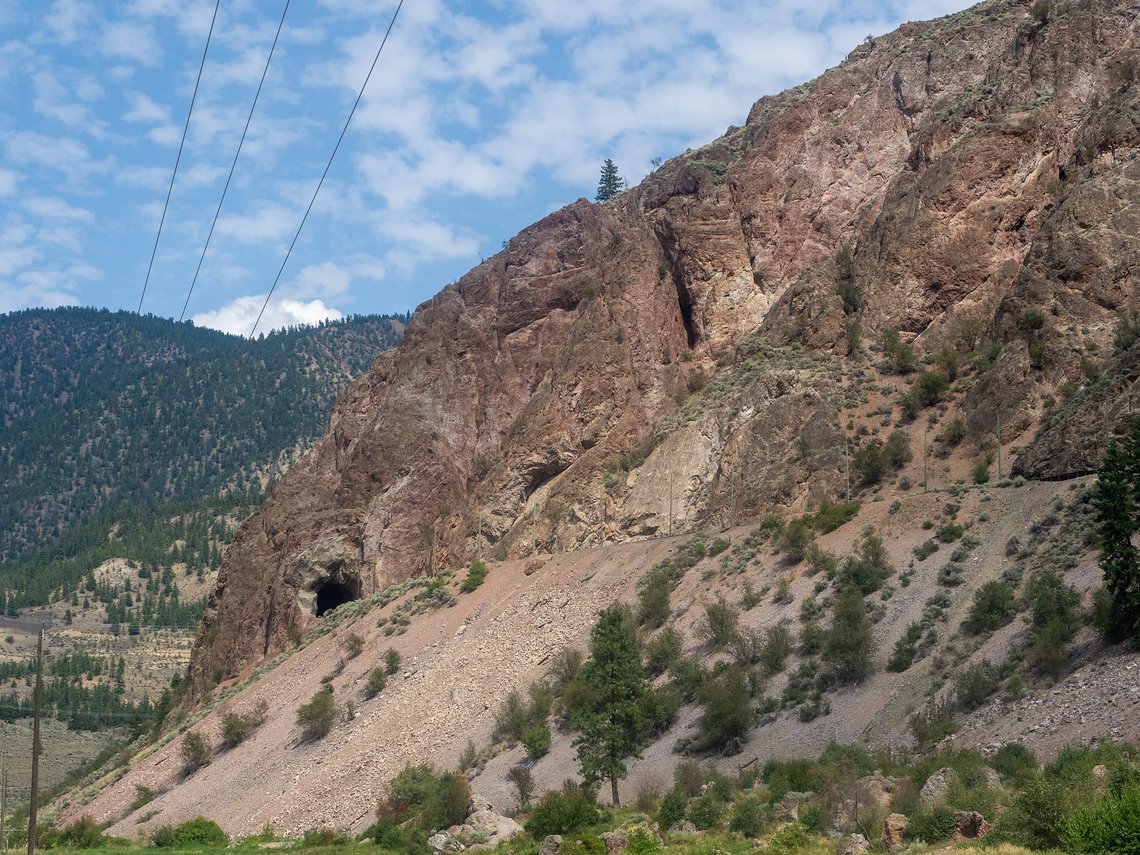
682	354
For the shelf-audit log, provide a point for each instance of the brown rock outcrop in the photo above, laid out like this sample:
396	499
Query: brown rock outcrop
978	166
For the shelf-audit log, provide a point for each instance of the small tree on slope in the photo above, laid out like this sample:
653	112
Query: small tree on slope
1116	498
607	721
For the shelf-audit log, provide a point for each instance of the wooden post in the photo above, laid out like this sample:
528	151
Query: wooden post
36	745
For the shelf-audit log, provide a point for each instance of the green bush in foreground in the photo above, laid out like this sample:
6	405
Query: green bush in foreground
561	811
1109	824
198	831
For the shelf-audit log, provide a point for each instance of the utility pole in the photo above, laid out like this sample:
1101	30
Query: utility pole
36	745
999	445
847	465
924	469
4	790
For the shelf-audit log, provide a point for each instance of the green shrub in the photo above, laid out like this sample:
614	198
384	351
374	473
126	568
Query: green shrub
925	549
727	713
387	834
994	606
84	833
1109	824
653	592
930	387
392	660
906	648
476	574
705	811
656	711
870	464
672	807
376	682
896	450
198	831
931	825
641	842
353	644
795	539
536	741
446	803
237	726
791	776
662	650
562	811
195	753
314	837
719	625
790	839
1013	759
317	717
849	644
718	546
954	432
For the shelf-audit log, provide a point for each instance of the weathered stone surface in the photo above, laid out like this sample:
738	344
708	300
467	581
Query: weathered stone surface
551	845
443	841
968	199
970	825
894	830
787	809
852	844
937	787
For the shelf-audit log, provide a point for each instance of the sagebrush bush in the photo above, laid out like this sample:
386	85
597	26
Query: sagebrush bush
993	607
237	726
376	682
318	716
720	623
195	753
705	811
536	740
672	807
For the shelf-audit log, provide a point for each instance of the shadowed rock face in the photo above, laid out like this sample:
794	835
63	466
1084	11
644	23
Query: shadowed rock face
976	166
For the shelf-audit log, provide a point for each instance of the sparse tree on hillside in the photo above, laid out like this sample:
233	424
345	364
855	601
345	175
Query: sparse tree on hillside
1116	498
610	183
608	722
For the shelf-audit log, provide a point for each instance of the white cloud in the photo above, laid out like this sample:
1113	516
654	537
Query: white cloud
326	278
127	40
8	181
237	317
267	223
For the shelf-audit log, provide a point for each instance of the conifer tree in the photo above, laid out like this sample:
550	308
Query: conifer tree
610	183
1116	498
608	718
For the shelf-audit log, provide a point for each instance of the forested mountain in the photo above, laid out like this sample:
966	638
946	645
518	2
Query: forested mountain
106	411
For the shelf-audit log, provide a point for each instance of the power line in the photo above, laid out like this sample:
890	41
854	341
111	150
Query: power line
178	159
328	166
237	154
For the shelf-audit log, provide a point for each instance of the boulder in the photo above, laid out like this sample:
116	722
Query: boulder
444	841
993	779
551	845
970	825
937	787
683	827
852	844
787	809
894	829
618	840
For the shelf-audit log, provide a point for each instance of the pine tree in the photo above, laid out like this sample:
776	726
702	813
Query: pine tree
610	183
1116	498
607	720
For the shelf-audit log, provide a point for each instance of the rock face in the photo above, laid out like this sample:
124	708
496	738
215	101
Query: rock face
981	171
937	787
894	830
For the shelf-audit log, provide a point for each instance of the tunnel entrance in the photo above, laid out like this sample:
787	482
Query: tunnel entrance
332	594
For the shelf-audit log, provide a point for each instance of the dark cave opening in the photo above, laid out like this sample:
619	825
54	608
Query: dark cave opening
333	594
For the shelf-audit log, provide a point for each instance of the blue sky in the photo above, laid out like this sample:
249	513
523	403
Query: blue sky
481	117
